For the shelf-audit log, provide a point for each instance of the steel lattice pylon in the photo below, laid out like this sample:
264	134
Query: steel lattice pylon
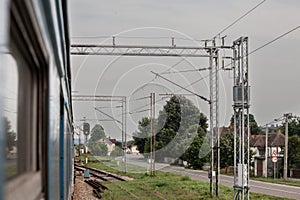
241	97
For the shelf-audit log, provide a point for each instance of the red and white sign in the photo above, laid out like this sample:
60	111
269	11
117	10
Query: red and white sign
274	159
274	156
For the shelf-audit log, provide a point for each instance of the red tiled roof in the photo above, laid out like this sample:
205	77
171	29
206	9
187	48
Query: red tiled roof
274	140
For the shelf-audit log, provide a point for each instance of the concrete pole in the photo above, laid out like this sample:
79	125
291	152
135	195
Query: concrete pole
285	165
154	133
151	134
266	153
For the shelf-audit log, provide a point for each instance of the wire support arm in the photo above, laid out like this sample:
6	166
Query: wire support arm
201	97
139	50
108	115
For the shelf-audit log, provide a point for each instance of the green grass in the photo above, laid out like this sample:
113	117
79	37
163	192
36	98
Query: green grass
164	185
278	181
116	167
269	180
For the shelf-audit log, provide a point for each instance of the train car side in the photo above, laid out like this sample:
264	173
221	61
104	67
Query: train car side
35	101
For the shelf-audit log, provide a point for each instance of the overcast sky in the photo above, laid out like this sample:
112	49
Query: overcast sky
274	70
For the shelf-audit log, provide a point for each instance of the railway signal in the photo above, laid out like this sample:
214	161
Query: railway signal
86	128
86	132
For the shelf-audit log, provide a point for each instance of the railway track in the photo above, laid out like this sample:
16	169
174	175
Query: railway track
103	175
110	177
97	186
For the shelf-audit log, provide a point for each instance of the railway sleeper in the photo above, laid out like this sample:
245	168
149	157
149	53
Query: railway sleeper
96	185
97	194
101	186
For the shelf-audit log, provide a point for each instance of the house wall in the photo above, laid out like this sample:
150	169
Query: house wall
110	147
134	150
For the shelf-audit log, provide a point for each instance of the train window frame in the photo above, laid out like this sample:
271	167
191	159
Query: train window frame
29	51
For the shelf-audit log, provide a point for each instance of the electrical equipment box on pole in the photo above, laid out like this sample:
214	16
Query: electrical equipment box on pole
237	94
242	175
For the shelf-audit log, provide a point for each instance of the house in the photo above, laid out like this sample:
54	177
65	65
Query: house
275	146
110	144
132	148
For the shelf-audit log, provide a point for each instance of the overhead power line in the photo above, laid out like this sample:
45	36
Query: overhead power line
158	100
108	115
202	78
190	70
275	39
136	37
238	19
201	97
146	97
251	52
139	111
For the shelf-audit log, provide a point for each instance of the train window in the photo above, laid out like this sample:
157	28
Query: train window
10	115
25	107
21	123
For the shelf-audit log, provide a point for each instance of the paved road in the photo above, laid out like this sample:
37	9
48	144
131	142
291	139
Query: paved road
140	161
255	186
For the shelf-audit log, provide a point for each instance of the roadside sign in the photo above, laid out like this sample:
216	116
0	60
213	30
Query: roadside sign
274	156
274	153
274	159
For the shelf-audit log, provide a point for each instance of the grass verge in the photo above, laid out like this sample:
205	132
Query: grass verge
269	180
164	185
278	181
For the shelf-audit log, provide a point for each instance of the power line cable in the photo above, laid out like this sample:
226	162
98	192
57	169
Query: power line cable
136	37
190	70
183	88
174	65
158	100
139	111
222	31
168	37
251	52
238	19
275	39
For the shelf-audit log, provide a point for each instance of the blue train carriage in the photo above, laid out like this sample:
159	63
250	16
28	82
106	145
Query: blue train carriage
36	134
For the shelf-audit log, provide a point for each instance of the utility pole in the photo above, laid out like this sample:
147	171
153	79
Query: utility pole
286	146
217	122
154	133
211	169
241	104
151	134
124	138
266	153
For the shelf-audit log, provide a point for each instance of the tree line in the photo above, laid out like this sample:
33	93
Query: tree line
181	134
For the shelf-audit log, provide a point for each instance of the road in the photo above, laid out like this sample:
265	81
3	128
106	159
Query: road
140	161
278	190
